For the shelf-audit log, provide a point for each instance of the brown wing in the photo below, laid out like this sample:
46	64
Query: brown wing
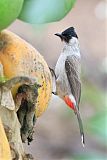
72	67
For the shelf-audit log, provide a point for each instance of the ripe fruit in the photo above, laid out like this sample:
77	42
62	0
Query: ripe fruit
19	58
9	11
4	145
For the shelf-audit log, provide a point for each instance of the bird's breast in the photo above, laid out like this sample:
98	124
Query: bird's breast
62	84
60	66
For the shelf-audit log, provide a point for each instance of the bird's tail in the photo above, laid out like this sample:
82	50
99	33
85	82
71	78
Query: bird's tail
70	101
80	126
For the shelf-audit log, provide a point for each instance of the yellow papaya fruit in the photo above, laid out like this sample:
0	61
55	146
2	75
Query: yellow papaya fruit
5	153
19	58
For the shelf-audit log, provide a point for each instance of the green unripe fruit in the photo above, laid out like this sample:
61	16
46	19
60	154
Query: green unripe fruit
9	11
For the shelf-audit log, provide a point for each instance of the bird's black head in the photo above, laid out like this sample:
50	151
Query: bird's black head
67	34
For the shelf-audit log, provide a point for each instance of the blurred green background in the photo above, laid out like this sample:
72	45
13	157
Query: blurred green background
56	132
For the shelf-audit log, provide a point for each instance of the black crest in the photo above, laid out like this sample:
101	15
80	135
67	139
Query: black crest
69	33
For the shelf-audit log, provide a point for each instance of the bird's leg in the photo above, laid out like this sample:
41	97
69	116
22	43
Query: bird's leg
53	75
52	72
55	93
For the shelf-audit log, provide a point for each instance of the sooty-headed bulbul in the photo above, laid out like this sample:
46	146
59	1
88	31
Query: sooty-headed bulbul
67	73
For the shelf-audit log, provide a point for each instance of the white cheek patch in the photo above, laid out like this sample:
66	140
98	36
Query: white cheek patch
72	99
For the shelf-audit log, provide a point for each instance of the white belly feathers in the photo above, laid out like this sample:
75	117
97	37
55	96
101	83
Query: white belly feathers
62	84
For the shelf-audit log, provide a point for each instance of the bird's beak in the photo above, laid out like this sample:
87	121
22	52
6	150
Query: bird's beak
59	35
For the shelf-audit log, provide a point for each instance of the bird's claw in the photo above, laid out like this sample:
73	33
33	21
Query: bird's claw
54	93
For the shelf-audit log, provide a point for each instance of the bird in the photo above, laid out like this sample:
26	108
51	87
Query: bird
67	74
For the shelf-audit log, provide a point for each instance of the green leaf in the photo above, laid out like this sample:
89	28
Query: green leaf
9	11
45	11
